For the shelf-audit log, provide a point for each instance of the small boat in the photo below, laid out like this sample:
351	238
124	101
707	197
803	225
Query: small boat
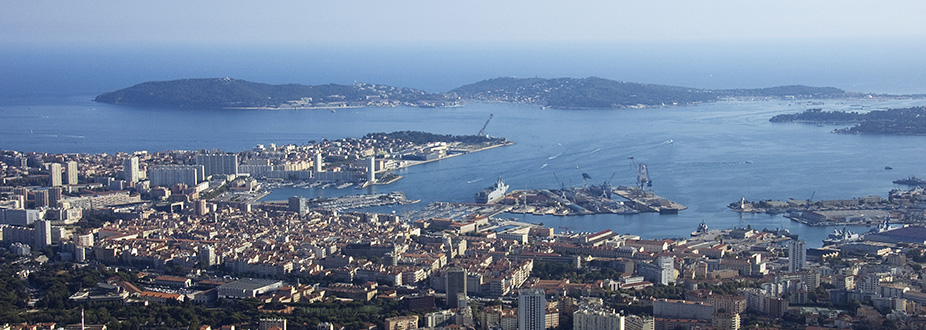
888	168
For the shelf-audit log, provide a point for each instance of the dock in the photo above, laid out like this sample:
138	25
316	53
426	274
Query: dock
645	201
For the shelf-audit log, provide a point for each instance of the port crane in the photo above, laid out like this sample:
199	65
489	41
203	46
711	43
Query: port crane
562	186
643	180
483	130
585	178
606	186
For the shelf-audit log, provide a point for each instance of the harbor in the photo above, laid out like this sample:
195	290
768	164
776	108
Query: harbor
901	206
352	202
645	201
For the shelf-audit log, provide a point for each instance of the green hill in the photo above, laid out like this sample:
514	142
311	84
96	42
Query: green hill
228	92
562	93
593	92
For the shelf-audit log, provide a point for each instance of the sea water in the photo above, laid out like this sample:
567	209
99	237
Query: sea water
704	156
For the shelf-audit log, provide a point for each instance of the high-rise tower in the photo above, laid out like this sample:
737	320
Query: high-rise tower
532	309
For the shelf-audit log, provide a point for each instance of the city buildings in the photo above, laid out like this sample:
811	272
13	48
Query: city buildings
169	175
456	288
71	172
797	255
131	170
592	315
54	175
218	163
532	306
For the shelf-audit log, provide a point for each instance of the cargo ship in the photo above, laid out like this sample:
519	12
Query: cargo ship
492	194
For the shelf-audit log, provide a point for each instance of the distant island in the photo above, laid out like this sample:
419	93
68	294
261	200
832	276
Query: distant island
559	93
597	93
906	121
234	93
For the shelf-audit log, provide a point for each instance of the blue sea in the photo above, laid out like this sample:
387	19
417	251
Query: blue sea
704	156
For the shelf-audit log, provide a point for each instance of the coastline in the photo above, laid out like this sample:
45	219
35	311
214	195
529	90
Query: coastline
410	163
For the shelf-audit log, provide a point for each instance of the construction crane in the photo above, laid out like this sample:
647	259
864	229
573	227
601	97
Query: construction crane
483	130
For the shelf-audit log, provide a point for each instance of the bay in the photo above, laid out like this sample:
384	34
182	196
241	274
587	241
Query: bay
704	156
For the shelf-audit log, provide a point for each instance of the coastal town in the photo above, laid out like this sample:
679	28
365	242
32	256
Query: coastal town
182	240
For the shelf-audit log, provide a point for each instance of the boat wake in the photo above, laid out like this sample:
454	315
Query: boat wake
543	166
559	154
473	181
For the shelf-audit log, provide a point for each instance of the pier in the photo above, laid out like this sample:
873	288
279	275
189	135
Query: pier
644	201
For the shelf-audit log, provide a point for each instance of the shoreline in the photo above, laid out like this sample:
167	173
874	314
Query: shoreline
420	162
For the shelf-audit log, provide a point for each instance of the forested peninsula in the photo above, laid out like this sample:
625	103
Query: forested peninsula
906	121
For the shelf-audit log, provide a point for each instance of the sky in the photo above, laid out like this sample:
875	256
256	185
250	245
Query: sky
235	22
90	46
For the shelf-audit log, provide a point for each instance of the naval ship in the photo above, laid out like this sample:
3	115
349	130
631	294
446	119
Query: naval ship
493	193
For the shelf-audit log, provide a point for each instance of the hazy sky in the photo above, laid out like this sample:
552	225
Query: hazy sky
272	22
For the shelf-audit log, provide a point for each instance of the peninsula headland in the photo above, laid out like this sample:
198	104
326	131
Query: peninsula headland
907	121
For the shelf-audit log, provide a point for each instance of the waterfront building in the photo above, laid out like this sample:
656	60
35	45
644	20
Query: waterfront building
130	170
797	255
532	307
218	163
